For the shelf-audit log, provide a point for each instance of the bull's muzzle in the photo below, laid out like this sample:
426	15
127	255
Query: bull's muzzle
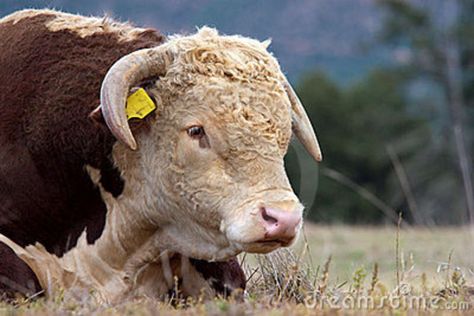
281	225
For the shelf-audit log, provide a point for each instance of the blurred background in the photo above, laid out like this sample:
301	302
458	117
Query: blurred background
389	86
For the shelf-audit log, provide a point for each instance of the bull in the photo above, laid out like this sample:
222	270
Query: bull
128	160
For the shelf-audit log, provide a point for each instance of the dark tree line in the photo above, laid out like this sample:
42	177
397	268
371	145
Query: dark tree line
400	140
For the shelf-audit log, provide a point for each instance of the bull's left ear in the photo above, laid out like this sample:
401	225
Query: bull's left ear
138	106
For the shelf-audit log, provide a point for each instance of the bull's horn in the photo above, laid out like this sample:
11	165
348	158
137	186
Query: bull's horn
302	125
126	72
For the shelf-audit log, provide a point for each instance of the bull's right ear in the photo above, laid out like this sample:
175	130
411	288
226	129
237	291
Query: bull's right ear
96	116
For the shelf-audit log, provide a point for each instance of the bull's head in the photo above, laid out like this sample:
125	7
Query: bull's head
211	158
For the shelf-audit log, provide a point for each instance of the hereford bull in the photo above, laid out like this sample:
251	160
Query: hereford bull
97	194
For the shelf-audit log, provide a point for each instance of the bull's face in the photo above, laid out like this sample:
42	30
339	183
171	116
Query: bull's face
226	169
214	151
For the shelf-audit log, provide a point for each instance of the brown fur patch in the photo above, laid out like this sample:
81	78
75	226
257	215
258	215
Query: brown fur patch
225	277
80	25
16	276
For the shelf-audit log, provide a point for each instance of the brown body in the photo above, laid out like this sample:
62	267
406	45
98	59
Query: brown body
50	77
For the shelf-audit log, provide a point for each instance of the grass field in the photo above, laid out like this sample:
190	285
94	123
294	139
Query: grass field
423	249
330	270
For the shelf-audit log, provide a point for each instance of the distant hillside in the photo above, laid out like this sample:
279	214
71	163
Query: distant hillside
306	34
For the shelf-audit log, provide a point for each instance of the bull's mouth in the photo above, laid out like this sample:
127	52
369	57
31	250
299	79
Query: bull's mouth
279	242
266	245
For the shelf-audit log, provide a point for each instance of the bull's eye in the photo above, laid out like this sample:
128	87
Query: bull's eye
196	132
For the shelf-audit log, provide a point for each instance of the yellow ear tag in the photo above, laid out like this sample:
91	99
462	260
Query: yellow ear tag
139	104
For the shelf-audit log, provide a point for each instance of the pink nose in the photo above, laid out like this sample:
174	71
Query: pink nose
280	225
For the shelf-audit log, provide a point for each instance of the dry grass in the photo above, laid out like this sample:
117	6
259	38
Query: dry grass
422	250
333	269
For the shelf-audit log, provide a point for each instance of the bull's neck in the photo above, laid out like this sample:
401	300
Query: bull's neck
126	244
127	229
126	232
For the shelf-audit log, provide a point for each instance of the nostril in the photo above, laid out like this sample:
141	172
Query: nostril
267	218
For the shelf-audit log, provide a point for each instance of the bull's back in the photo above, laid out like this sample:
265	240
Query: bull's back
51	68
